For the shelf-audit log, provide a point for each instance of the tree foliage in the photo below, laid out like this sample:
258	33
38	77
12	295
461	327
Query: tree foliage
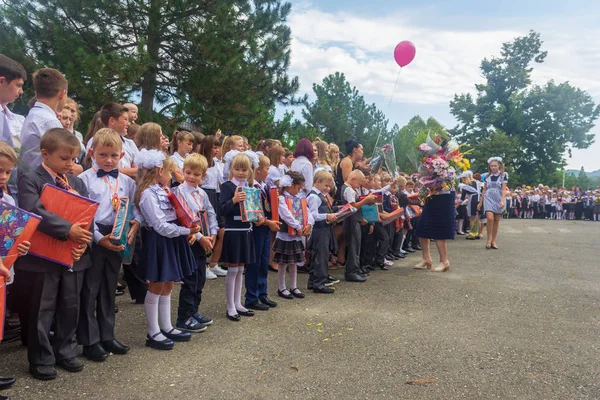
541	122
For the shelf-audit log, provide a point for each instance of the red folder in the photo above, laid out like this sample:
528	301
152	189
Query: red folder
394	215
16	226
69	206
299	210
274	197
185	216
2	305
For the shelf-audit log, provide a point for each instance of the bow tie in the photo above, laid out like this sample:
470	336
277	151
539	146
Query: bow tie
114	173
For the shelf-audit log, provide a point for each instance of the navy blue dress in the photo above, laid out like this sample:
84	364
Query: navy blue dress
438	220
238	241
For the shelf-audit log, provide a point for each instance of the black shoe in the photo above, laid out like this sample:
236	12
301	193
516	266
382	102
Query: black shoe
11	336
410	250
71	364
368	268
234	318
285	295
269	302
323	289
259	306
248	313
120	291
5	383
43	372
417	247
303	270
310	286
391	257
382	267
166	344
355	278
297	293
115	347
177	337
95	352
203	320
363	271
116	308
331	280
399	256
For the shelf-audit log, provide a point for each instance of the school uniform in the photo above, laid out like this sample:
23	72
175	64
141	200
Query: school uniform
97	316
352	232
190	295
210	186
238	241
289	248
166	253
322	240
257	271
41	119
49	292
388	199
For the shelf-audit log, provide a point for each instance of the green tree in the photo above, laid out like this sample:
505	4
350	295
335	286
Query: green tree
340	112
410	136
582	180
220	64
543	122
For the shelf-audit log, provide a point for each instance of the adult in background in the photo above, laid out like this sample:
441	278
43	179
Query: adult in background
304	156
493	199
354	151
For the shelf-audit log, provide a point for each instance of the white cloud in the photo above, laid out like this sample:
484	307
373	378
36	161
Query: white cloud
447	60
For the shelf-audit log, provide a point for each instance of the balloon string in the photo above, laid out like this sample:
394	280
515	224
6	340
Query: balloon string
397	78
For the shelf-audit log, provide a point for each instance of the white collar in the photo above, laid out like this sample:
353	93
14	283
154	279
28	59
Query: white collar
190	189
44	107
239	183
317	191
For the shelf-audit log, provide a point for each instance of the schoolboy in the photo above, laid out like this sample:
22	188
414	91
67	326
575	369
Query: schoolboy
12	79
351	190
132	112
321	240
51	95
188	317
380	233
106	185
52	290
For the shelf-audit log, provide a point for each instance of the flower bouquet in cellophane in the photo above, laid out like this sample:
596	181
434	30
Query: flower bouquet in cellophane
440	161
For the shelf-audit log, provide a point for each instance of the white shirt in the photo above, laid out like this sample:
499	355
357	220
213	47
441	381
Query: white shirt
8	199
220	167
350	195
11	125
283	169
313	205
304	167
40	120
157	211
286	215
100	191
273	176
326	167
178	160
198	200
213	177
130	149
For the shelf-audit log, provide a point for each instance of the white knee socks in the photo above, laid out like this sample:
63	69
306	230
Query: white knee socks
151	305
230	281
281	276
164	315
239	279
293	270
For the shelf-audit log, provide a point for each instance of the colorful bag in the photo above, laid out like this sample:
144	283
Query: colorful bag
345	211
371	213
299	211
251	208
203	222
70	206
121	229
16	226
274	200
185	215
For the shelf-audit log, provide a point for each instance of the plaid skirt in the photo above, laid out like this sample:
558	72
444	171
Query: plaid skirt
288	252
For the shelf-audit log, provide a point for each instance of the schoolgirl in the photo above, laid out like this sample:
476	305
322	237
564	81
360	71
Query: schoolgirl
166	254
493	199
181	147
288	247
237	239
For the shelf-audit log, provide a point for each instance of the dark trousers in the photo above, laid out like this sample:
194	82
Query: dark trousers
190	295
382	239
52	296
97	310
256	272
319	261
398	236
352	233
391	230
367	246
136	285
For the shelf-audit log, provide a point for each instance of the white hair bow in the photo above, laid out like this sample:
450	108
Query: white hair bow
286	181
149	159
499	159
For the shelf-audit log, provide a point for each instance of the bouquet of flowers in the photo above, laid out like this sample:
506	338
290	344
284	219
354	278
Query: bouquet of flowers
440	162
384	156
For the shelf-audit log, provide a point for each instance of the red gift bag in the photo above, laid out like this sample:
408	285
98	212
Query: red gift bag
16	226
299	210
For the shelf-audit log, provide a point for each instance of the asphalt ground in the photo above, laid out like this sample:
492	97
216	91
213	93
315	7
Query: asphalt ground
522	322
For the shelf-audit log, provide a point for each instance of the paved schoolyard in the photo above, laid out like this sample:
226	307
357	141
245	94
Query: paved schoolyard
520	322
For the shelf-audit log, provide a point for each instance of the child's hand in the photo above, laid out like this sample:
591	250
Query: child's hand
4	271
206	243
78	251
261	221
79	234
24	248
383	216
331	218
307	229
363	222
195	229
213	239
192	238
107	244
239	196
274	226
371	199
135	226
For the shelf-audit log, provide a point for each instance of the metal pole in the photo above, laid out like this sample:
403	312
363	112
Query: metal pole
564	172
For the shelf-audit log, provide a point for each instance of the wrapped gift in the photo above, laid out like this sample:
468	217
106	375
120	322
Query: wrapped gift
274	200
378	197
185	215
343	212
121	229
251	207
16	226
371	213
299	211
70	206
394	215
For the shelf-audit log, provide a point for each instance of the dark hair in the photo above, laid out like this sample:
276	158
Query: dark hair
365	171
56	138
350	145
206	148
111	110
11	70
297	177
48	82
304	148
287	153
181	136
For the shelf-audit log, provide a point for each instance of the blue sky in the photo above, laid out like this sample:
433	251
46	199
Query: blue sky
451	37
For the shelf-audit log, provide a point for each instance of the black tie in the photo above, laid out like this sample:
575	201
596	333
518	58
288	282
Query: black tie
114	173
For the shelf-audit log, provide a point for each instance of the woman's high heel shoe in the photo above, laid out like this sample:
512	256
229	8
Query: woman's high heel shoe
423	265
442	267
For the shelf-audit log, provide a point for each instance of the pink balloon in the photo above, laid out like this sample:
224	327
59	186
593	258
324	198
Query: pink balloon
404	53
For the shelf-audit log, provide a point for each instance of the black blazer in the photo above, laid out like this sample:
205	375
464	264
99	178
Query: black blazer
30	188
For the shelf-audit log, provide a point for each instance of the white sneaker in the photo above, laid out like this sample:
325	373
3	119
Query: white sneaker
387	262
218	271
210	274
